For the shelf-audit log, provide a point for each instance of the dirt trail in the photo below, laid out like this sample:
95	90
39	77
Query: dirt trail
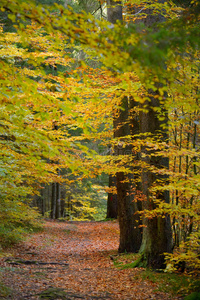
72	261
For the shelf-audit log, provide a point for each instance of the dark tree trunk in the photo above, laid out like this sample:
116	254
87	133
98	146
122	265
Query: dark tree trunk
157	234
130	234
114	11
58	201
112	211
53	201
56	195
62	201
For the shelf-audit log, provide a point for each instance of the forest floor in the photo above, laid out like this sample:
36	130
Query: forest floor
73	260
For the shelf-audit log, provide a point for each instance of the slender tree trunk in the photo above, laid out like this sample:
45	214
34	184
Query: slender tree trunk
53	201
112	211
114	13
62	201
58	201
56	195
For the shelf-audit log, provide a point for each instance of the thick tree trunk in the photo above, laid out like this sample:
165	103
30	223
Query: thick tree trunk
130	234
157	234
114	11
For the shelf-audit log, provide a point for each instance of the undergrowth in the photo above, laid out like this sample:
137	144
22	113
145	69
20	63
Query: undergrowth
11	234
172	283
4	291
175	284
17	220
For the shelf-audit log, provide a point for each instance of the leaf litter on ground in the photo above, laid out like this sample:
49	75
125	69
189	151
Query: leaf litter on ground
73	260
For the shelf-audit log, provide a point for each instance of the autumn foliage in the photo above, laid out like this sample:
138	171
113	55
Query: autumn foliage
63	78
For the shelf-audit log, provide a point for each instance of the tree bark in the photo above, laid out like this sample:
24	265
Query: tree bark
130	234
56	195
53	201
112	211
58	201
157	234
114	11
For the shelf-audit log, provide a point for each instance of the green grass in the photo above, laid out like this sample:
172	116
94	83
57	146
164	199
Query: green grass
193	296
67	231
4	291
126	261
172	283
175	284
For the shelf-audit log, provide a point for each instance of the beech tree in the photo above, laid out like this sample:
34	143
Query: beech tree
157	234
130	234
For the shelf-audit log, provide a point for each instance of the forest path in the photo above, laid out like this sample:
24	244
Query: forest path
75	257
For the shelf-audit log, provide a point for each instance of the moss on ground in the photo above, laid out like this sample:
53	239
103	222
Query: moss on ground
172	283
4	291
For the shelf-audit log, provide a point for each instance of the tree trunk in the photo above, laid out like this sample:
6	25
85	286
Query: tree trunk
53	201
112	211
130	234
56	195
58	201
114	11
157	235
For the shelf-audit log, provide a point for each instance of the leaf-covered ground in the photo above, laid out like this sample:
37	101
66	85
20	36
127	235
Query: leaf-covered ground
73	260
